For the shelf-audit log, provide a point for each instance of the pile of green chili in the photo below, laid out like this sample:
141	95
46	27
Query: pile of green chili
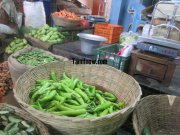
35	58
72	97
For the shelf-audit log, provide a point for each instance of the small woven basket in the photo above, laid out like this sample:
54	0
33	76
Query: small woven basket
159	113
106	77
42	129
64	22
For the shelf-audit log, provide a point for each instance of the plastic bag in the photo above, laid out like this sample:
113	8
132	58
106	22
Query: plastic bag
4	29
128	38
34	14
126	51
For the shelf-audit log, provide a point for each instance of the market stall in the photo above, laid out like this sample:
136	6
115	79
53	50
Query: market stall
72	72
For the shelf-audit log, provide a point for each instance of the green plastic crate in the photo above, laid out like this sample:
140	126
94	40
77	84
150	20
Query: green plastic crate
109	53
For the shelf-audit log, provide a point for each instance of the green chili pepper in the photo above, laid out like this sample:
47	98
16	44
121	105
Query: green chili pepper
36	107
82	94
73	84
73	102
71	113
110	97
65	76
80	85
84	106
105	112
122	104
78	98
63	108
40	91
83	115
100	98
53	76
66	95
59	98
52	104
102	107
52	109
92	90
49	97
39	105
111	109
99	92
42	82
65	88
90	115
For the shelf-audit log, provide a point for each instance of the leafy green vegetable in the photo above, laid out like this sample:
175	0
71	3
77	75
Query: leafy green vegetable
10	124
16	45
47	34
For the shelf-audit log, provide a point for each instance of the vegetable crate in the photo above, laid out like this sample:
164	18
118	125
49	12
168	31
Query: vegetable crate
109	53
110	31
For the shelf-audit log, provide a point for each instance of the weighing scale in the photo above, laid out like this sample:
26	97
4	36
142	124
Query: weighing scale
169	11
160	46
96	18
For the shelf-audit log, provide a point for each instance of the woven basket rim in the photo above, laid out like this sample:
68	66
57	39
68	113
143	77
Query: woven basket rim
144	99
59	17
26	105
38	123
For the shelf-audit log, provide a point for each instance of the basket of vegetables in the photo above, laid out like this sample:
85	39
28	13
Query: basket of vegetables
14	121
78	99
28	58
6	83
44	37
65	19
16	44
157	115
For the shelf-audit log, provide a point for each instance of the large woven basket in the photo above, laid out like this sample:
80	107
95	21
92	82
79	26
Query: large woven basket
106	77
64	22
159	113
42	129
17	69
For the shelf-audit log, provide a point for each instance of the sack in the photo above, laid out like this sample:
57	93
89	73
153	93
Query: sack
4	29
17	69
4	18
34	14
